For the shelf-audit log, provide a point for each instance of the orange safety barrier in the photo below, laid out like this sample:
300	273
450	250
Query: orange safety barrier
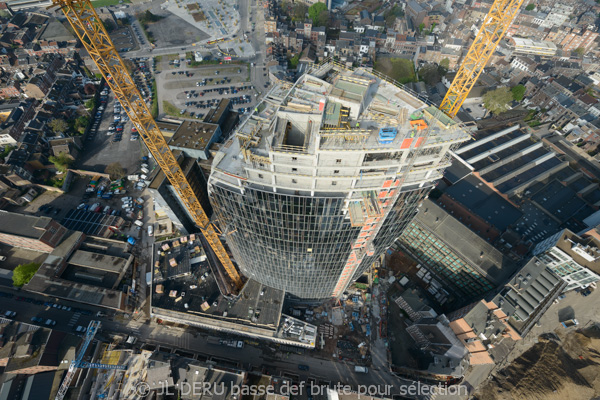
419	124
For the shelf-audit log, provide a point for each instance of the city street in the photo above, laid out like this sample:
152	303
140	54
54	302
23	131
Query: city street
172	338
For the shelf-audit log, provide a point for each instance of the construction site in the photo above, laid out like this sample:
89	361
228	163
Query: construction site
323	176
312	187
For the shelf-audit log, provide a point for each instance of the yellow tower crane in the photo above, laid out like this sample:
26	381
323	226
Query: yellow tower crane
89	29
494	27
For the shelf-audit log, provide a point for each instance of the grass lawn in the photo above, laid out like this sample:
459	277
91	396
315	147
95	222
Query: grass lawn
104	3
170	109
398	69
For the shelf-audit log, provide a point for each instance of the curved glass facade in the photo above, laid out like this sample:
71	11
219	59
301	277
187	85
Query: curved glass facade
293	243
299	244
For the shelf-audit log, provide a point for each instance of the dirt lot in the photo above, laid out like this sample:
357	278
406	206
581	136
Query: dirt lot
554	368
173	31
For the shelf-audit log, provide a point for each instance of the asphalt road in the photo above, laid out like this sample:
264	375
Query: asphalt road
171	338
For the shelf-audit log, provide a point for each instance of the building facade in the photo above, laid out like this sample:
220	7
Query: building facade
312	188
571	258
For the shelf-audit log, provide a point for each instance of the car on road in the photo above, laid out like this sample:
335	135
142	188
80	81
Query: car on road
10	314
50	322
303	367
37	319
150	230
80	329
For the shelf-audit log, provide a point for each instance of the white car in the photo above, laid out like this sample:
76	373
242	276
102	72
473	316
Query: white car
150	230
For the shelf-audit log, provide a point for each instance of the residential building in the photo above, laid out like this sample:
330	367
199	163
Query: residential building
482	326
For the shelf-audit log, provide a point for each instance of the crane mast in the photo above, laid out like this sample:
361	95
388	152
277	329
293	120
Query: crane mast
494	27
91	32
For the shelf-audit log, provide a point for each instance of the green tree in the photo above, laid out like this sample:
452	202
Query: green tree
430	73
497	100
391	15
530	7
23	273
421	27
58	125
7	149
115	170
91	103
61	161
580	51
300	11
518	92
148	17
81	123
323	18
445	64
314	12
293	62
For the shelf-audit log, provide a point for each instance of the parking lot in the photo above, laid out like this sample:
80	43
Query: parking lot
101	147
195	90
123	39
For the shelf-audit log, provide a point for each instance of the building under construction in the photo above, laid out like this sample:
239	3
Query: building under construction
324	175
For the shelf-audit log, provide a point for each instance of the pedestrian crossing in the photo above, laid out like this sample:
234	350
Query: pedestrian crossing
74	319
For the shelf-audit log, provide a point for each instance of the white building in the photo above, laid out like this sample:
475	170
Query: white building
528	46
573	258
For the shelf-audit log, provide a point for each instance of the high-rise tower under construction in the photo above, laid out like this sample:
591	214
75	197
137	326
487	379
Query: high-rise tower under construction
324	175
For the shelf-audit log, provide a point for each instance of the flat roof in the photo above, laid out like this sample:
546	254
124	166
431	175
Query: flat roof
478	252
215	115
180	266
483	201
23	225
193	135
98	261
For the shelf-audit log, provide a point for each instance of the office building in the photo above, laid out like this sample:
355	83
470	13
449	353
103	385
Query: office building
324	175
457	258
574	259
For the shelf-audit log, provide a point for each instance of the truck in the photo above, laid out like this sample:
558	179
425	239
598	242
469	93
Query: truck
569	323
362	370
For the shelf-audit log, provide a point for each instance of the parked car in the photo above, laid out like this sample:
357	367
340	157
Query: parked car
37	319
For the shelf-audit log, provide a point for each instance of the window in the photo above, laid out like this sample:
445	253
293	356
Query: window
337	171
294	181
294	158
333	183
260	176
338	161
294	169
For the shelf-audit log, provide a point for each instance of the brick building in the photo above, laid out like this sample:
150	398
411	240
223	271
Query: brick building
30	232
